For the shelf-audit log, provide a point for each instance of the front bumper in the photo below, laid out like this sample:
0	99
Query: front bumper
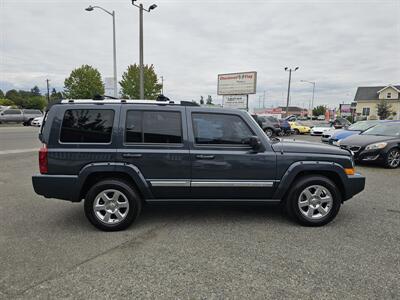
325	138
64	187
354	185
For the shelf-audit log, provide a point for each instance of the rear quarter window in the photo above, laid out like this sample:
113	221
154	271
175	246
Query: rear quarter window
87	126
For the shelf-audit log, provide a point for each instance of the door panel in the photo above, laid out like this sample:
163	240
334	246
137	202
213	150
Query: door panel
151	143
229	170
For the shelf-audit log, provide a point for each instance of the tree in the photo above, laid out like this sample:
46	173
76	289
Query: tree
130	83
201	100
15	97
319	110
35	91
36	102
1	94
54	96
384	109
6	102
83	83
209	100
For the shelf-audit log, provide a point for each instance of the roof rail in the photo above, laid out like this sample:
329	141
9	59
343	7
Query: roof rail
127	101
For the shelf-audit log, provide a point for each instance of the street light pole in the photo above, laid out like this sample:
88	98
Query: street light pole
91	8
313	92
115	58
162	85
141	66
288	92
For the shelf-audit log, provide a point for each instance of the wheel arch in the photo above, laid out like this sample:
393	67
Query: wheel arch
93	173
332	171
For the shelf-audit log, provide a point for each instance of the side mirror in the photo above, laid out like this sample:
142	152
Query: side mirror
255	143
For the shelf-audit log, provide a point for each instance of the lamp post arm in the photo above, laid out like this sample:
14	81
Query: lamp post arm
105	10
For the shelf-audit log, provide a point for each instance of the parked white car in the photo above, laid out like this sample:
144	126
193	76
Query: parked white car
37	121
326	135
321	128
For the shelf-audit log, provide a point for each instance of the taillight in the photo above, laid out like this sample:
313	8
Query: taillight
43	159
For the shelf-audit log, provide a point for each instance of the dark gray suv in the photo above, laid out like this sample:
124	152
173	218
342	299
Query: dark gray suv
118	155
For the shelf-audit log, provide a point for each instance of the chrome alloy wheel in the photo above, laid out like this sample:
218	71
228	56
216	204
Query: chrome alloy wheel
111	206
394	158
315	202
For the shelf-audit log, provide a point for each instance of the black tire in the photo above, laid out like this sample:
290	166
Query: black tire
269	132
392	154
292	202
296	131
133	198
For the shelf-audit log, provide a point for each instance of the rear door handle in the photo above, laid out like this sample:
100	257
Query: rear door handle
131	155
204	156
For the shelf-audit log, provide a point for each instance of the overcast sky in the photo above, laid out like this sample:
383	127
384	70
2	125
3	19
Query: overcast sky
338	44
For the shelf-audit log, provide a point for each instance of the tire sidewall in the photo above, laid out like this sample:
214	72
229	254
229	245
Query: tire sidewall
292	203
123	187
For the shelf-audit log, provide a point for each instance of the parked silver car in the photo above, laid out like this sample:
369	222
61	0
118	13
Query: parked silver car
24	116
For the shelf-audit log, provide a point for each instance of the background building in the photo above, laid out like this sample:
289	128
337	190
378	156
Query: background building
367	99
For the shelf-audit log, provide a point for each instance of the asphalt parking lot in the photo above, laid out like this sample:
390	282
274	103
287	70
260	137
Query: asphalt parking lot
48	249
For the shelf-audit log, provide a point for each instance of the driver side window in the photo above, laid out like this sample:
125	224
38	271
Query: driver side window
220	129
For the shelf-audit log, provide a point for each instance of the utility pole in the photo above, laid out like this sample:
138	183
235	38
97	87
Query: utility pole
288	92
48	91
141	74
162	85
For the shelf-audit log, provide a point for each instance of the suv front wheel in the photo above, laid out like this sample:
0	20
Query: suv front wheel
313	201
112	205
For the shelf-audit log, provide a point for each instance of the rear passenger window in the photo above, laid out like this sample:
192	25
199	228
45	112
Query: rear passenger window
220	129
87	126
155	127
12	112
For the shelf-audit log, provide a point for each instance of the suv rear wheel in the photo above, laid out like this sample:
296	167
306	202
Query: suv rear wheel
112	205
313	201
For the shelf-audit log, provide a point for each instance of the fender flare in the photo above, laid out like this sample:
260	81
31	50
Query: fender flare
313	166
131	170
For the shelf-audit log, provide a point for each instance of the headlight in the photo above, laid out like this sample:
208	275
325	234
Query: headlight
376	146
336	143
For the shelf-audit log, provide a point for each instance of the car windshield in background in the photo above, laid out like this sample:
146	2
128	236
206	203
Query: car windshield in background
362	125
323	125
384	129
272	119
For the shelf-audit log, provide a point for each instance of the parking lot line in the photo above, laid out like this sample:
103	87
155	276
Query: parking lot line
16	151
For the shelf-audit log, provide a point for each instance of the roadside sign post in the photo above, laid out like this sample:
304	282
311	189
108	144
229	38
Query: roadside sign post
236	87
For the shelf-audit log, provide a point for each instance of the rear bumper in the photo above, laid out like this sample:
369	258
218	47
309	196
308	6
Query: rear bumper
354	185
64	187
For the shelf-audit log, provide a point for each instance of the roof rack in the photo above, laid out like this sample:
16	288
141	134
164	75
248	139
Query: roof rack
127	101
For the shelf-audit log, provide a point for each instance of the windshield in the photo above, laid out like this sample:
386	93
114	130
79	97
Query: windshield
272	119
392	129
323	125
363	125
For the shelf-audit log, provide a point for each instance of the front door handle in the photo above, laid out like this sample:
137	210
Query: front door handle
131	155
204	156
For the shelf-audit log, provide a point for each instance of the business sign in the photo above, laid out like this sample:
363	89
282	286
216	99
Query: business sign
235	101
237	83
345	110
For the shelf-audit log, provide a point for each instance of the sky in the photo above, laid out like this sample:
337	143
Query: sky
339	44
